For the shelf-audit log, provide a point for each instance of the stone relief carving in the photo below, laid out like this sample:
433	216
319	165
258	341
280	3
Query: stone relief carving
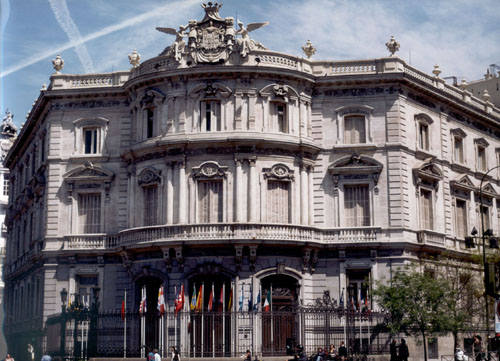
179	45
149	176
279	171
209	170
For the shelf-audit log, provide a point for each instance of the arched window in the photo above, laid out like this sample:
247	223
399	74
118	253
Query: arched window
423	123
150	181
353	124
90	134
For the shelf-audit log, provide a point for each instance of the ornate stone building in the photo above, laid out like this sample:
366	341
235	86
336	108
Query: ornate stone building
234	173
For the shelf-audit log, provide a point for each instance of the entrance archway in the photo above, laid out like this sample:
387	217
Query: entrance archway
280	324
150	328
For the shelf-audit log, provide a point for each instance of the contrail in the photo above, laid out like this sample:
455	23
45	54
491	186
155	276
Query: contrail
4	18
61	12
177	5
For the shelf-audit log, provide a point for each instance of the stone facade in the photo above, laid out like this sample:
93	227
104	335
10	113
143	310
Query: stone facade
223	164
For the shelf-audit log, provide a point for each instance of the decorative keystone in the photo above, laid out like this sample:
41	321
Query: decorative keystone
436	71
134	58
58	64
392	45
309	49
485	95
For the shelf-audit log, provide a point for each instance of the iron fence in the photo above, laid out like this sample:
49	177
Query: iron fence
216	334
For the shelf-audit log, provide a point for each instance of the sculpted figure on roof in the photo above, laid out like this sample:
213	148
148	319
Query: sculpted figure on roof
245	43
179	45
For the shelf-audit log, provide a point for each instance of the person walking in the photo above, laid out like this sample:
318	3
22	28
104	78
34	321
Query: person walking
248	356
175	354
332	353
319	355
478	348
157	355
403	351
9	358
342	351
394	351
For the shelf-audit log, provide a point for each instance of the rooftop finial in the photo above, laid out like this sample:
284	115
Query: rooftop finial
58	64
134	58
392	45
436	71
309	49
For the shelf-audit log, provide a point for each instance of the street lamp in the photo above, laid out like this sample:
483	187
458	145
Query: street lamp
64	297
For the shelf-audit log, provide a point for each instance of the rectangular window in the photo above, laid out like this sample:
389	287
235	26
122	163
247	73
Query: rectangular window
357	205
278	199
426	209
84	289
281	118
210	116
210	201
432	347
91	139
150	117
89	213
481	158
423	133
459	150
151	205
354	132
485	213
6	182
461	218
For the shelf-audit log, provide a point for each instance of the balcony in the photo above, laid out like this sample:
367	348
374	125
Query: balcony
213	233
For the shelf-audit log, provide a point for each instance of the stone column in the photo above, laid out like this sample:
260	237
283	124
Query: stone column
251	110
170	194
182	191
304	204
238	201
252	191
237	111
132	183
311	196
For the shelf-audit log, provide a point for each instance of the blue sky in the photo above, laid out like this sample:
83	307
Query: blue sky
462	36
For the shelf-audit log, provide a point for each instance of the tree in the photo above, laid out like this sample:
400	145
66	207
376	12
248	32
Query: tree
416	302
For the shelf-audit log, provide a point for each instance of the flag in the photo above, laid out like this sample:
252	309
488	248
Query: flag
257	303
142	306
193	299
267	302
211	301
220	306
352	303
230	302
241	300
161	301
123	310
341	302
179	301
199	301
367	306
250	300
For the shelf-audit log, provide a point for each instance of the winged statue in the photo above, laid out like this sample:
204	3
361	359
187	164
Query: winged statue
246	44
179	44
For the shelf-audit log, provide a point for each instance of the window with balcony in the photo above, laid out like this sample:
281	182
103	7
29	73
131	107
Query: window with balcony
278	200
210	201
354	129
150	205
89	213
357	205
210	116
461	218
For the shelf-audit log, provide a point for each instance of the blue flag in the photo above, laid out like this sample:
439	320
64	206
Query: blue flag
257	303
250	307
341	303
241	300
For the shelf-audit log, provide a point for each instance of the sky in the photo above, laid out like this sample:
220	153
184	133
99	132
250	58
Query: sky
96	36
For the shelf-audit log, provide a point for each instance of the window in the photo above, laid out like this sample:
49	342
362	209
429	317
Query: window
432	347
279	116
358	288
6	182
426	209
150	205
89	213
484	212
210	206
461	218
210	115
458	153
354	130
91	140
150	117
423	136
278	201
481	158
84	289
356	205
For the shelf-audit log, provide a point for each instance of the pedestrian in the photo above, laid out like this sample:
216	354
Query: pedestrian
46	358
332	353
319	355
157	355
248	356
394	351
9	358
403	351
175	354
150	356
478	348
342	351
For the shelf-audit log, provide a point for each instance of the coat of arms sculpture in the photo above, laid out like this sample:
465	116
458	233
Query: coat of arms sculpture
211	40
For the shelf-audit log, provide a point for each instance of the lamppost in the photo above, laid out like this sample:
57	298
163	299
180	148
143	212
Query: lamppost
488	275
64	297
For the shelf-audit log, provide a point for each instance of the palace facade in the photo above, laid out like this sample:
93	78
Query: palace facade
242	176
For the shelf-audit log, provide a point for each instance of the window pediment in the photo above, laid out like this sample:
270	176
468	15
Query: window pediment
209	170
279	91
354	109
88	173
152	97
428	173
97	121
482	142
149	176
210	90
423	118
463	183
457	132
355	165
488	191
279	172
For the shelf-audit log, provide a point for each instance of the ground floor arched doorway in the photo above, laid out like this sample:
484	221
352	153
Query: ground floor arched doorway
149	335
210	325
280	323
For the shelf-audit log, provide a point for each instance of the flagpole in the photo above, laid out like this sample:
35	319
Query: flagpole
202	317
125	328
175	317
142	324
234	316
223	319
272	322
193	330
213	322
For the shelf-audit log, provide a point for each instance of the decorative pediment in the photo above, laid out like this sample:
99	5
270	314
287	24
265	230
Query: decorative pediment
482	142
458	132
210	90
209	170
428	172
149	176
279	91
463	182
88	173
488	191
423	118
81	122
355	165
279	172
354	109
152	97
